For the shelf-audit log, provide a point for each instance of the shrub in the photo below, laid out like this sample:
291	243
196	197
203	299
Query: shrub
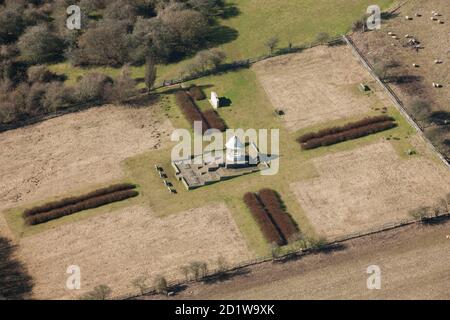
190	110
348	135
270	199
93	87
322	37
348	126
197	93
420	108
123	88
80	206
105	44
421	213
40	73
266	225
101	292
71	201
55	97
214	121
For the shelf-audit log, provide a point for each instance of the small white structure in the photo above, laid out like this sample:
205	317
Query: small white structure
214	100
235	152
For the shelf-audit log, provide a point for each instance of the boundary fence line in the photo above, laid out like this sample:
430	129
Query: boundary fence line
296	253
168	83
394	98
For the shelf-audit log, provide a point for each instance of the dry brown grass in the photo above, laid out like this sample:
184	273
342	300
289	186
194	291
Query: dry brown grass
74	152
366	188
315	86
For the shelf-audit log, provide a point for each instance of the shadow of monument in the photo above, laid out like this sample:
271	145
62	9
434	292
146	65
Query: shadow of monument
224	102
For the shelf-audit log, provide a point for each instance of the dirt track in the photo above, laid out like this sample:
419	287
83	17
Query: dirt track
414	262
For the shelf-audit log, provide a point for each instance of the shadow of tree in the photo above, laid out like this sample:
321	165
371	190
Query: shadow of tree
15	283
440	117
229	10
226	276
220	34
436	221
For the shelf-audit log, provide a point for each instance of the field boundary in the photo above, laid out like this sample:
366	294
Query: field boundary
394	98
296	253
233	65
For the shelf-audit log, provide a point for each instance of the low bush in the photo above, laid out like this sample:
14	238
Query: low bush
348	135
266	225
190	110
270	199
90	203
352	125
197	93
214	120
73	200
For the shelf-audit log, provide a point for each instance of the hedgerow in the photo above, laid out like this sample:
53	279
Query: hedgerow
348	135
214	120
197	93
266	225
271	201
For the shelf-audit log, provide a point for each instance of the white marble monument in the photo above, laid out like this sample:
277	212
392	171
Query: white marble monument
214	100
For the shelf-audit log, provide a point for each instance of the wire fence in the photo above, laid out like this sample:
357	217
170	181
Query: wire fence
231	66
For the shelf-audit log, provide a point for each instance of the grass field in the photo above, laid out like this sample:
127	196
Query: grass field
250	108
292	21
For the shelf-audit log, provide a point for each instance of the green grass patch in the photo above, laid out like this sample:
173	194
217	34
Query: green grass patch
250	108
292	21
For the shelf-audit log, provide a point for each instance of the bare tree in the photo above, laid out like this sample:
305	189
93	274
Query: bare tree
195	269
124	86
150	72
322	37
161	285
101	292
222	265
272	44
